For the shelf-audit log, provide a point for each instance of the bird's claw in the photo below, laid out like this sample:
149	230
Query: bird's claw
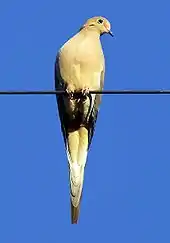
85	91
70	93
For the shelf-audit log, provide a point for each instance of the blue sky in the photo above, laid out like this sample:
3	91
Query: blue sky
126	189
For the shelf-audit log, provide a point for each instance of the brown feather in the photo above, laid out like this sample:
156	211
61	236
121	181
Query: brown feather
75	213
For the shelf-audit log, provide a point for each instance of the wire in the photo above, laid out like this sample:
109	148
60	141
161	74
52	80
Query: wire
61	92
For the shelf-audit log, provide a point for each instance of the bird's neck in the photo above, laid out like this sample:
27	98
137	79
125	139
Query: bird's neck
91	31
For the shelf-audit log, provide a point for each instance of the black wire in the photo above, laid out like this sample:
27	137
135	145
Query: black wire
61	92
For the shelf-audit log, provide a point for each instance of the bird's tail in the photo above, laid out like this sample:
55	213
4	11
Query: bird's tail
77	154
74	213
76	186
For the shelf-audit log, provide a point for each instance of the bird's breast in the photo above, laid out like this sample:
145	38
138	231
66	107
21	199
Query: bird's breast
82	64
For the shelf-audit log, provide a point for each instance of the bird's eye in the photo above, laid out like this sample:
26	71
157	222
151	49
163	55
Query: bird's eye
100	21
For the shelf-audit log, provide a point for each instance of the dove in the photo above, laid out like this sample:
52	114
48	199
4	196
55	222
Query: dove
80	69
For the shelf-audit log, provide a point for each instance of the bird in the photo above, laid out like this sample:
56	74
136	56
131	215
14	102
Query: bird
80	69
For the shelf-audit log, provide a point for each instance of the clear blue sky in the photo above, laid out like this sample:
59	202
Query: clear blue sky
126	190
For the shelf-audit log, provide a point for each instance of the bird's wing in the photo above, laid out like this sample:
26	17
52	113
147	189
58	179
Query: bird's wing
95	109
59	85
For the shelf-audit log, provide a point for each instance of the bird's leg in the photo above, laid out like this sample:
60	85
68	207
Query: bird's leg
70	90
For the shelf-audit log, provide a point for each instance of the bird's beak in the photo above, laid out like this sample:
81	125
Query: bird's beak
110	33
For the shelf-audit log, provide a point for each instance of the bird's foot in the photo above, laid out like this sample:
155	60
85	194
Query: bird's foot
85	91
70	91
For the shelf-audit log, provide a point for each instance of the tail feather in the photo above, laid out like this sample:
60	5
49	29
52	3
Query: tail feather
76	186
75	213
76	148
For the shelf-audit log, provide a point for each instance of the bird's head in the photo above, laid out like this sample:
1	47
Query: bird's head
101	24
